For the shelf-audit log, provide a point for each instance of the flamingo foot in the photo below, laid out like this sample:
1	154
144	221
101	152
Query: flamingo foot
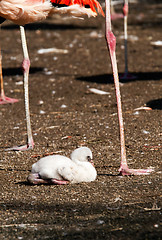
6	100
34	178
25	147
115	16
125	171
127	76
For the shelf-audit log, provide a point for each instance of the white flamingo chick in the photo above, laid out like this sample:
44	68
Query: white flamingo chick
57	169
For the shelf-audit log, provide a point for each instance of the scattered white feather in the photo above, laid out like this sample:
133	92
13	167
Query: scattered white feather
100	222
40	102
42	112
52	79
145	132
51	127
19	83
48	73
130	37
136	113
52	50
16	128
95	34
13	58
97	91
157	43
55	58
63	106
143	108
117	199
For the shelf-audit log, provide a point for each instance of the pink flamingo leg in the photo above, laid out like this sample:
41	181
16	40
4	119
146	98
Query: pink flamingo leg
25	66
111	42
3	98
126	75
34	178
59	182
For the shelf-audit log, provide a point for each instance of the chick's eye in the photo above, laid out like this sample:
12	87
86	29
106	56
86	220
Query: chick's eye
89	158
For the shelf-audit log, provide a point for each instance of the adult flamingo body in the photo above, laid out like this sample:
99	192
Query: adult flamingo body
24	11
27	11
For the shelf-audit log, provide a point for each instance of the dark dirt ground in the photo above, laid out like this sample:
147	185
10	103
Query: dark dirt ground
112	207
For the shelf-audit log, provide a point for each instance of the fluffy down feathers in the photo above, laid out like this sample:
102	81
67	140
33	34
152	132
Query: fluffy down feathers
77	169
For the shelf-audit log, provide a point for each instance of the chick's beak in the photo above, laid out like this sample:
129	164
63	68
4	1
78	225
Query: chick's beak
90	160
